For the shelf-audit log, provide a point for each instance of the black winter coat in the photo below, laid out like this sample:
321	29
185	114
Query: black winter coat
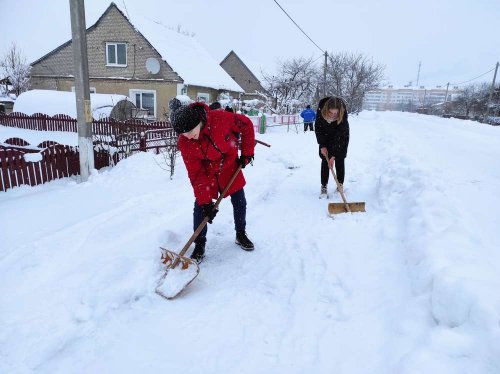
333	136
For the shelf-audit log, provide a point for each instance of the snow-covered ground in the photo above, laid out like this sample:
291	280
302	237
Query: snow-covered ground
410	286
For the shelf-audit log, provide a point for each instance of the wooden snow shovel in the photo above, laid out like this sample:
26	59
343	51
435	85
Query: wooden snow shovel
345	207
176	278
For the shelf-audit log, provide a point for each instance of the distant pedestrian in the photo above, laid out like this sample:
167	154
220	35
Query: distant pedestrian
309	116
332	134
229	109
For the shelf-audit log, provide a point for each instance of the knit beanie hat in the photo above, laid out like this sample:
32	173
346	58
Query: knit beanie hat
187	118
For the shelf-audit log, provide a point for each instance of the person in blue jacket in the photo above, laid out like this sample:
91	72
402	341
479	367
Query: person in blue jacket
309	116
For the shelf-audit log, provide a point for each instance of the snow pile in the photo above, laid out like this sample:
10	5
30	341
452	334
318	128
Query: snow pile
410	286
36	137
60	102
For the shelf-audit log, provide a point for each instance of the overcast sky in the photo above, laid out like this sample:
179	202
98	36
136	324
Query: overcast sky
456	40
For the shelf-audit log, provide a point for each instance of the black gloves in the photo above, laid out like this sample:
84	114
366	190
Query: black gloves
209	211
244	160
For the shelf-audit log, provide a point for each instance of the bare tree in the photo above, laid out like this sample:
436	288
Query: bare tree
269	102
293	85
350	76
14	66
472	99
466	99
169	153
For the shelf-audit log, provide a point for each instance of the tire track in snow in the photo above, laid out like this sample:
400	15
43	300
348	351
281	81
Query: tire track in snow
370	260
310	291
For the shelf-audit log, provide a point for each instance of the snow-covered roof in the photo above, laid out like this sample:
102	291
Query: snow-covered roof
6	98
185	55
62	102
184	99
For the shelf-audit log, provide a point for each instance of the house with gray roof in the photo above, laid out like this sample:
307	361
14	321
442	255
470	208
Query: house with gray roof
241	73
149	63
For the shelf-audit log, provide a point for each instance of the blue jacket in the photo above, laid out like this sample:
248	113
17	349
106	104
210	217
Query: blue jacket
308	115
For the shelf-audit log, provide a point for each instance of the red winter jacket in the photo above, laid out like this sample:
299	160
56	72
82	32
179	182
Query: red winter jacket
211	159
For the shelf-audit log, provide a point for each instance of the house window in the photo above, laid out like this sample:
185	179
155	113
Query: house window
146	100
116	54
203	97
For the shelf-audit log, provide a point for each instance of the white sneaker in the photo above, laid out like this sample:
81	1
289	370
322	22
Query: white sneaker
340	187
324	193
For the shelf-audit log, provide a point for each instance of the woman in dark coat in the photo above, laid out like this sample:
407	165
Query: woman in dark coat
332	134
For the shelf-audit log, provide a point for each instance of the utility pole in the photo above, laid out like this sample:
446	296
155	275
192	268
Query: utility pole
491	94
82	91
418	74
446	98
324	74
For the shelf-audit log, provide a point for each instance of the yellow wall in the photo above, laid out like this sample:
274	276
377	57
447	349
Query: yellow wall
164	91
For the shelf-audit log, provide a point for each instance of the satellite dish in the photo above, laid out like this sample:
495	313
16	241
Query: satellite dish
152	65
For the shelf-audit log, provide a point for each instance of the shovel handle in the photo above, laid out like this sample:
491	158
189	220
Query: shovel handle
261	142
203	223
339	188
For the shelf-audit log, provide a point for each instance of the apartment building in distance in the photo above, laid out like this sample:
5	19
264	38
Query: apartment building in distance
408	98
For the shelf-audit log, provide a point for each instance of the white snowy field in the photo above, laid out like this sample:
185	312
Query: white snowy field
410	286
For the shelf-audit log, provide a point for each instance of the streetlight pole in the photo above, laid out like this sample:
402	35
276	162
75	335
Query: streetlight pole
82	90
446	98
324	74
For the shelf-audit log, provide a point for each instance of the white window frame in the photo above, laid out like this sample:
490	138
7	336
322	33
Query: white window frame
116	51
133	92
205	96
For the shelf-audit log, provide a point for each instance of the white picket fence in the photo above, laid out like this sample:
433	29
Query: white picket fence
277	120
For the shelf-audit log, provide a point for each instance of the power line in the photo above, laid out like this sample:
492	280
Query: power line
321	56
303	32
473	79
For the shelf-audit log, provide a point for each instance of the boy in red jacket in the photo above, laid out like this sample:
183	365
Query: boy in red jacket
208	143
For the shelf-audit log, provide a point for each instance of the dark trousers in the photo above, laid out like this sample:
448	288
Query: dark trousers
339	170
239	213
310	125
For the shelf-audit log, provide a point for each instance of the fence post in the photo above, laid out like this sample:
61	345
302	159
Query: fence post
262	129
142	142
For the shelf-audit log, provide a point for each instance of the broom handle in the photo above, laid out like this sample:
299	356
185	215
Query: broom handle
205	220
339	188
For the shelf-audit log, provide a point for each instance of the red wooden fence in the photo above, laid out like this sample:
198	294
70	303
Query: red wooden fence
62	122
114	140
56	161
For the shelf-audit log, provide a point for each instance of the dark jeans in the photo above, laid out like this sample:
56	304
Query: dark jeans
339	169
310	125
239	212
